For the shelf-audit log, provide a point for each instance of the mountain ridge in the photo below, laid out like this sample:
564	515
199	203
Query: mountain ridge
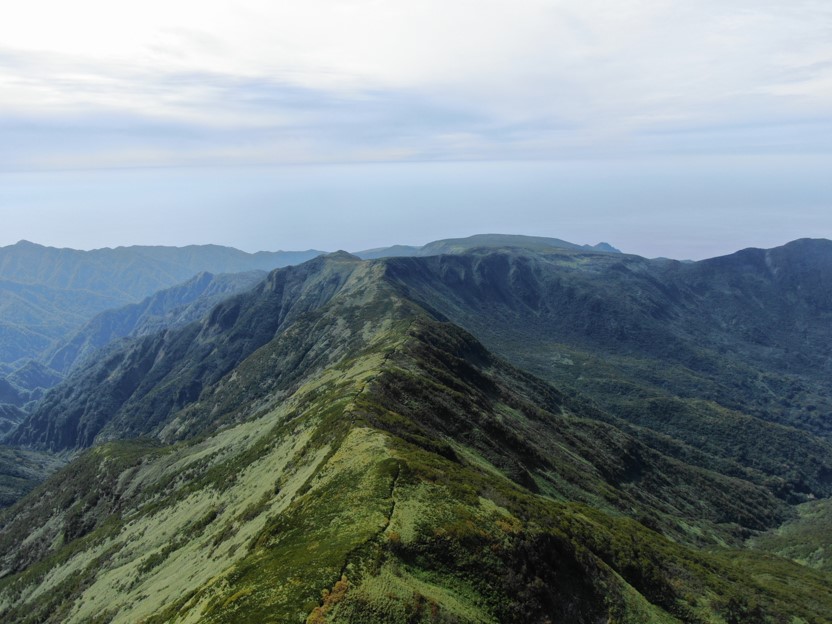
457	245
362	446
47	294
378	441
164	309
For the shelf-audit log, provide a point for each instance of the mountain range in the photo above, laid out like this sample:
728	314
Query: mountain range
480	241
47	295
61	304
506	430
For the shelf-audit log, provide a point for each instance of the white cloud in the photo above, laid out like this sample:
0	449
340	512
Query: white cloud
344	79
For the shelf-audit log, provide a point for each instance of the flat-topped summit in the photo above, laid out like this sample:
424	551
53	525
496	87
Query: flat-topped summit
484	241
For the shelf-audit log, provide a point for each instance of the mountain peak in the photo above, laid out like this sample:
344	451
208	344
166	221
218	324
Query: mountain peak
604	247
342	255
23	244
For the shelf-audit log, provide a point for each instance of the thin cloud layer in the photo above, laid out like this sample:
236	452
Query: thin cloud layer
102	84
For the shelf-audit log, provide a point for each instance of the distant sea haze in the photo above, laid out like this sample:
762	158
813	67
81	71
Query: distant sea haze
684	208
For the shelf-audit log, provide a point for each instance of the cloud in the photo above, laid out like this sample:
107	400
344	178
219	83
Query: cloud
204	118
161	83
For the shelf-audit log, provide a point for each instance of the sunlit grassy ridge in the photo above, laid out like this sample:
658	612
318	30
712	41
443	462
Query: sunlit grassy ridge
367	462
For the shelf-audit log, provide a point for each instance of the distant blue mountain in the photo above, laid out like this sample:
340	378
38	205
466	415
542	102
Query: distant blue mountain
49	294
481	241
166	309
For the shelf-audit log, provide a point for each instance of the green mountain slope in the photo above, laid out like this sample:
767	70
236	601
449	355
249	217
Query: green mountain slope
46	294
729	356
131	273
749	330
804	539
34	316
26	383
10	417
166	309
134	390
21	471
26	380
350	457
480	241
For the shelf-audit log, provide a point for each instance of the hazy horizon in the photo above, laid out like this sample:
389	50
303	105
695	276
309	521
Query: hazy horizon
685	130
690	209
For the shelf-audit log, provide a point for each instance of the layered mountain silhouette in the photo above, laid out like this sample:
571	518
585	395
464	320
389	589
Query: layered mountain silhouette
48	293
505	433
49	298
166	309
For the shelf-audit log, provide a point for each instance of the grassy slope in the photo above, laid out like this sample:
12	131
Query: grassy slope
165	309
804	539
21	471
131	391
376	489
47	294
699	357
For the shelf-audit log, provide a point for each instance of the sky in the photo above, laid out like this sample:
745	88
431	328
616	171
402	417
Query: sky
685	128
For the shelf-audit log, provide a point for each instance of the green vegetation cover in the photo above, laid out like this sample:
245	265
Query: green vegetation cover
331	447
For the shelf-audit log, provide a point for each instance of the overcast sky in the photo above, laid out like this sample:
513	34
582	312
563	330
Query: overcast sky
666	97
